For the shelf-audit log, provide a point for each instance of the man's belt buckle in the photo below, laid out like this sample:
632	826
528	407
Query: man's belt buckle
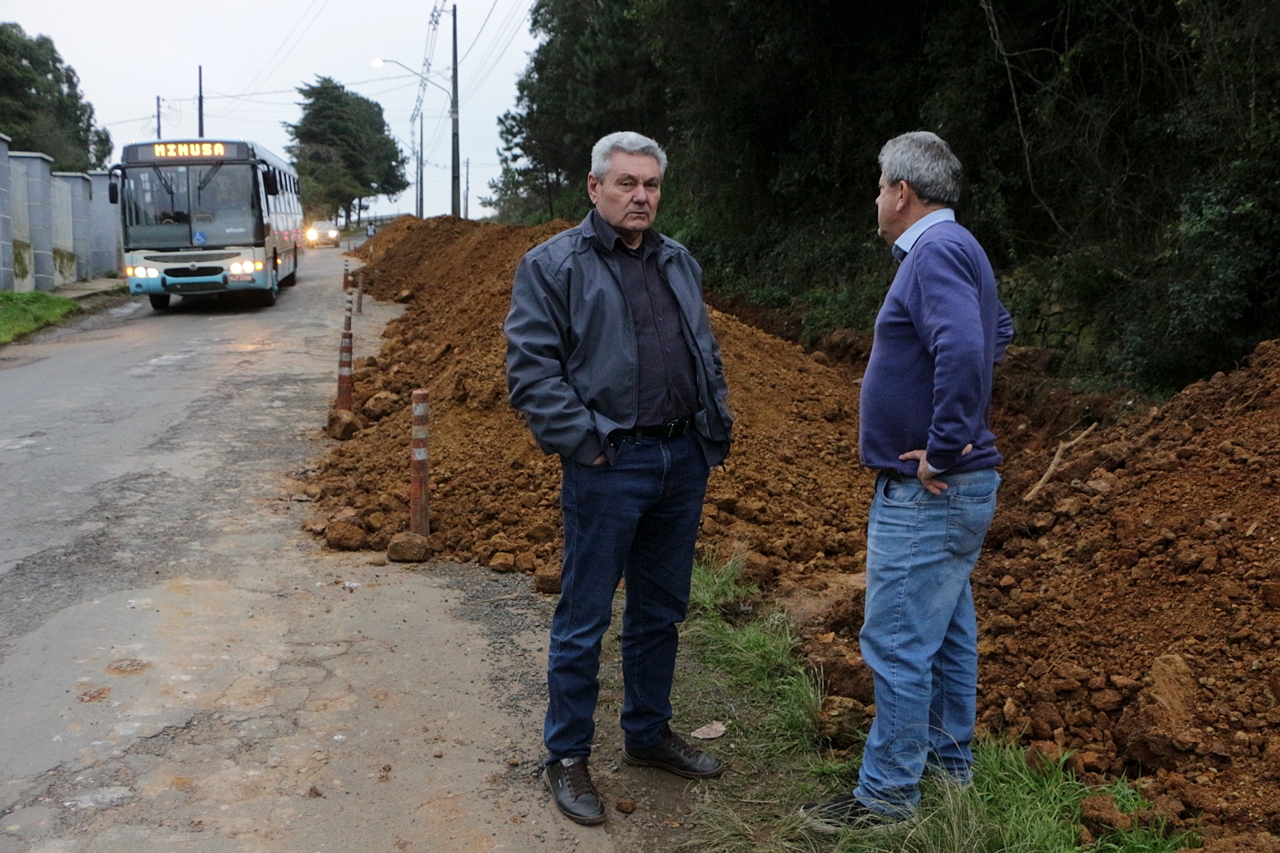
677	427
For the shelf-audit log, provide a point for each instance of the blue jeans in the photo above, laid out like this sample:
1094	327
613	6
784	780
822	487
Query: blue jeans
920	635
637	517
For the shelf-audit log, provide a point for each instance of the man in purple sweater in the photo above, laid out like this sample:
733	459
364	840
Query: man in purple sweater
924	431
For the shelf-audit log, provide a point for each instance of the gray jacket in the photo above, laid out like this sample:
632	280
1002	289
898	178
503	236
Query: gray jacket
572	367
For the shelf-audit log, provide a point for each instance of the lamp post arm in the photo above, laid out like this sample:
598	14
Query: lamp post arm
424	78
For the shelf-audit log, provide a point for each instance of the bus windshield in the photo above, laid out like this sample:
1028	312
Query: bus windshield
169	206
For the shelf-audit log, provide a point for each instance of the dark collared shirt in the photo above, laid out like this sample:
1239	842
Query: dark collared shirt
668	387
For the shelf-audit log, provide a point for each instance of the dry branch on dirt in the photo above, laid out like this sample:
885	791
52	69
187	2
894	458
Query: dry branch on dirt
1130	609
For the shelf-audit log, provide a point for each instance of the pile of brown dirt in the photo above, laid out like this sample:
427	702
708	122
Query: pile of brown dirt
1130	611
791	485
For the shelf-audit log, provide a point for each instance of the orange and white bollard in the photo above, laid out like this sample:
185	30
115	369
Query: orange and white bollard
344	362
419	511
360	295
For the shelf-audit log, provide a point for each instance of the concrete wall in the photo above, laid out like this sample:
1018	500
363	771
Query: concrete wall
52	230
106	247
62	221
39	186
24	277
6	221
72	240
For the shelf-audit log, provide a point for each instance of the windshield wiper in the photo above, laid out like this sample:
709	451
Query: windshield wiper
204	182
163	181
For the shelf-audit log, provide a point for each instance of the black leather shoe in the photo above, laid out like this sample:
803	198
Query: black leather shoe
842	813
675	756
575	794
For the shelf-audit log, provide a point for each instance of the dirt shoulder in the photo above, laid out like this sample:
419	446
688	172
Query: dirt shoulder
1128	609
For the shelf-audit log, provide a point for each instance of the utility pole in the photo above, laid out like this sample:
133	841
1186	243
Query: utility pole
158	136
200	101
457	177
466	196
421	168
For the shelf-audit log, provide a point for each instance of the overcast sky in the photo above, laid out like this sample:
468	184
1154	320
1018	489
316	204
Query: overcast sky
256	54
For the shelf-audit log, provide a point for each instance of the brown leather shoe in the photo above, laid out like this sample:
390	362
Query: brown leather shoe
673	755
575	794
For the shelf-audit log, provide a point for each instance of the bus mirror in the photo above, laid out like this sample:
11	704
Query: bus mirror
113	192
270	183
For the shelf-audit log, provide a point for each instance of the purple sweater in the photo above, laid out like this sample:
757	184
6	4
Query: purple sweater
928	381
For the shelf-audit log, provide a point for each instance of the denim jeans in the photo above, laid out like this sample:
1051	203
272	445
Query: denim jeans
920	635
637	517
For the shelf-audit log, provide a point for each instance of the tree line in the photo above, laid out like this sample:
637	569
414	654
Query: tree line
1121	158
41	105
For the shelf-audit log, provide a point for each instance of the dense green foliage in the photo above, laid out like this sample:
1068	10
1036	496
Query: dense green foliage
22	313
41	106
343	150
1122	159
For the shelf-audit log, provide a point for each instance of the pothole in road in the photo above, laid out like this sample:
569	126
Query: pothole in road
128	666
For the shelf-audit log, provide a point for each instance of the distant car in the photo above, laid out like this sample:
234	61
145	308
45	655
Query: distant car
322	234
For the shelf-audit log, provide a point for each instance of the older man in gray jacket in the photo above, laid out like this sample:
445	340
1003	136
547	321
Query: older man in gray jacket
611	359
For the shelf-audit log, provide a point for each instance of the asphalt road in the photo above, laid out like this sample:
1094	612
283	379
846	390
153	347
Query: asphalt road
181	667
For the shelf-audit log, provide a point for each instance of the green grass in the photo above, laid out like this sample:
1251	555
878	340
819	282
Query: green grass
742	669
23	313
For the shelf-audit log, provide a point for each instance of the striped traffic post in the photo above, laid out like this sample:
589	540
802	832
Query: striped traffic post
346	275
344	362
360	295
419	511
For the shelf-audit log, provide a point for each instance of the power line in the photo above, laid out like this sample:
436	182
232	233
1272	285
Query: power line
245	95
127	120
507	24
494	57
478	32
283	42
297	41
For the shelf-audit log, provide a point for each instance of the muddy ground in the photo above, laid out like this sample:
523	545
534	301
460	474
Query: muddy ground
1129	607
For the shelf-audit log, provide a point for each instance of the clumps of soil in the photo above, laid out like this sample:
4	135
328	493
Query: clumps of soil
792	485
1130	612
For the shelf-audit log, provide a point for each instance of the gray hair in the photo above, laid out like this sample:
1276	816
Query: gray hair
926	163
629	142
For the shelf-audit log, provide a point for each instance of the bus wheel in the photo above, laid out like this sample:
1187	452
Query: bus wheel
159	301
266	298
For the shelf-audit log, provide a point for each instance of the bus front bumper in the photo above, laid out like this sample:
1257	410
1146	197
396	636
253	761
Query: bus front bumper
198	286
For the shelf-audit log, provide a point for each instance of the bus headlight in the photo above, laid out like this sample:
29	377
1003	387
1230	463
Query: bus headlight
152	272
257	265
128	272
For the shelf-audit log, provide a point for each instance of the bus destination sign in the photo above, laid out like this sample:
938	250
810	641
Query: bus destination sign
150	152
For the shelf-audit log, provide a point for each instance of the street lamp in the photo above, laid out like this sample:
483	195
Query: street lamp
453	114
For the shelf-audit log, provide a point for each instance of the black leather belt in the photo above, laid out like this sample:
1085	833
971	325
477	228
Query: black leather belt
669	429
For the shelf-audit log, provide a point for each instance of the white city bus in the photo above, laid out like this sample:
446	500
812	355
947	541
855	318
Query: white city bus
207	217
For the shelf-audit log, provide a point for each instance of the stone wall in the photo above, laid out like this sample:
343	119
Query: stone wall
55	227
6	221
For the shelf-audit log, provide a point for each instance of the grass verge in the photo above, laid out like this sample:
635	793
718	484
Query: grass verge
23	313
744	672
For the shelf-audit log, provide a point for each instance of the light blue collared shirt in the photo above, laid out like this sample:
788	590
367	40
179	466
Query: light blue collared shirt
904	244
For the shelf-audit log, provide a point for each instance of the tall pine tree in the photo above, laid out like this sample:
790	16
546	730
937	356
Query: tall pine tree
343	150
